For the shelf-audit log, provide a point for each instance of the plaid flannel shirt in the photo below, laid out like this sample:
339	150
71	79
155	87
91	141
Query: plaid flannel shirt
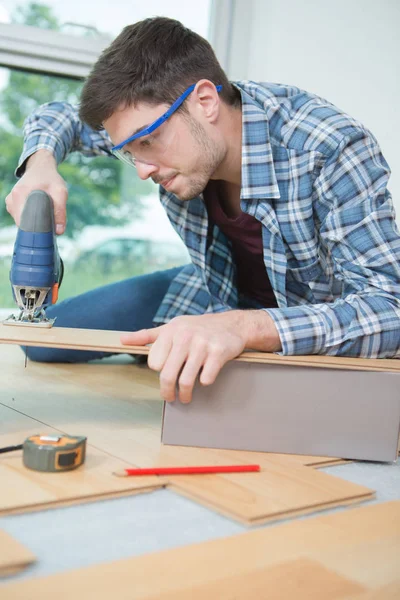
316	180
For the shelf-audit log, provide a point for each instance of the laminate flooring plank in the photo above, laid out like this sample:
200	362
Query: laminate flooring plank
13	555
109	341
23	489
321	551
300	579
358	555
391	591
282	491
105	402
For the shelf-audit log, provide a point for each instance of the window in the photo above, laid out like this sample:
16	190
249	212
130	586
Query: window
76	16
112	214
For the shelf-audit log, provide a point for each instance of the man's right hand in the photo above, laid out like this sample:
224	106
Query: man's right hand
40	174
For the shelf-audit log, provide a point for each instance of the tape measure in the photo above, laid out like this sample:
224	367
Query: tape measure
51	453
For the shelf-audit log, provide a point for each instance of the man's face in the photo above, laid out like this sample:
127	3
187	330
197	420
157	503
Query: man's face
181	154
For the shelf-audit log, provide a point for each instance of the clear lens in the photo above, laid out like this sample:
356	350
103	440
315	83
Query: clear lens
125	156
149	149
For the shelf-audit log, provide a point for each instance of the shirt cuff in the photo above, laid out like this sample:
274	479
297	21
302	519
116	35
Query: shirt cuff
54	146
301	329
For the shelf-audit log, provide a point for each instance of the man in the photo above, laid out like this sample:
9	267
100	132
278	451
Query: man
279	196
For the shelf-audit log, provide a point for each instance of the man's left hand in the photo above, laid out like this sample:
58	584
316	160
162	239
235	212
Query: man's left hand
189	345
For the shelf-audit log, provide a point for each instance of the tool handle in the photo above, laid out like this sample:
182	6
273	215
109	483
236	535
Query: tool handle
38	213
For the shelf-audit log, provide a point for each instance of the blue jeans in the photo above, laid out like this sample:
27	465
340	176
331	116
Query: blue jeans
127	305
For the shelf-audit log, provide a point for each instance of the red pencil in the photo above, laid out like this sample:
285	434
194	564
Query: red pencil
188	470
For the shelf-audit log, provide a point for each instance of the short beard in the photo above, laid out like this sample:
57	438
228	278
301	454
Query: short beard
211	157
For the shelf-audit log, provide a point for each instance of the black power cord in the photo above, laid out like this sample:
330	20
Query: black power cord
10	448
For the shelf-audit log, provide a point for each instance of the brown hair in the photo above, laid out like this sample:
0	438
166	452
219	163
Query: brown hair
152	61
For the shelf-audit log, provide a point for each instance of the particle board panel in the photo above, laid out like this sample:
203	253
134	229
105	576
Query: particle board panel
14	557
123	419
289	409
325	556
109	341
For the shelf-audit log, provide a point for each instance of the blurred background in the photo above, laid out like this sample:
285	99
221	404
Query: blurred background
347	52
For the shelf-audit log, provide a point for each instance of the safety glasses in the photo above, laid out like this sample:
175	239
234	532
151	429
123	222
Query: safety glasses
153	145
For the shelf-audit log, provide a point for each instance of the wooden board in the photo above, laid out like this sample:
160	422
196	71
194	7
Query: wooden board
109	341
352	555
23	490
281	491
117	406
13	555
391	591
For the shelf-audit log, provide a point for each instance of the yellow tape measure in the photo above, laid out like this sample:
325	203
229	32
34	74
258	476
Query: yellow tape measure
54	453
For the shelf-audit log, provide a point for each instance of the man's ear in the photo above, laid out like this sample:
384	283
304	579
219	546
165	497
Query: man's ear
205	100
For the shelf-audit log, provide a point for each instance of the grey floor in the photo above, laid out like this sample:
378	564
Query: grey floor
83	535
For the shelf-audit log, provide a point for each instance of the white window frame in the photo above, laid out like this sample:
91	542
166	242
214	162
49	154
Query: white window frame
47	51
230	35
53	52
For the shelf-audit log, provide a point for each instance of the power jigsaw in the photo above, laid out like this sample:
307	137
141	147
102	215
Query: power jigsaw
36	268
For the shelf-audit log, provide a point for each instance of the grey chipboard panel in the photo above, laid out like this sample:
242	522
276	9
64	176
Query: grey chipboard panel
295	410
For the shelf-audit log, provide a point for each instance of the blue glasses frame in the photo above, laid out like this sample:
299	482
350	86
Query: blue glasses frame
160	120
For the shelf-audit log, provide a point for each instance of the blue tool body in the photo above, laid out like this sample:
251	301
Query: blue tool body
34	262
36	268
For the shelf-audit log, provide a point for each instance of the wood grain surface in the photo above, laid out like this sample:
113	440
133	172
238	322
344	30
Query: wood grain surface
117	406
23	489
351	555
109	341
13	555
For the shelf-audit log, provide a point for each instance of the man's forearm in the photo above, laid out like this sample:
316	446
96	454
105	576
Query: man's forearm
56	128
41	157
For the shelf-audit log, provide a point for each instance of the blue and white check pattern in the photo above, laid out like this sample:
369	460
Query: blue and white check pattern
316	180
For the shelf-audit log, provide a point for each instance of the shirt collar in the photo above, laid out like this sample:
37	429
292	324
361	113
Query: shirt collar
258	173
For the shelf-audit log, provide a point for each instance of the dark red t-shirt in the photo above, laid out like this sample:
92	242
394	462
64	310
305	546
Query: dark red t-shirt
244	232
